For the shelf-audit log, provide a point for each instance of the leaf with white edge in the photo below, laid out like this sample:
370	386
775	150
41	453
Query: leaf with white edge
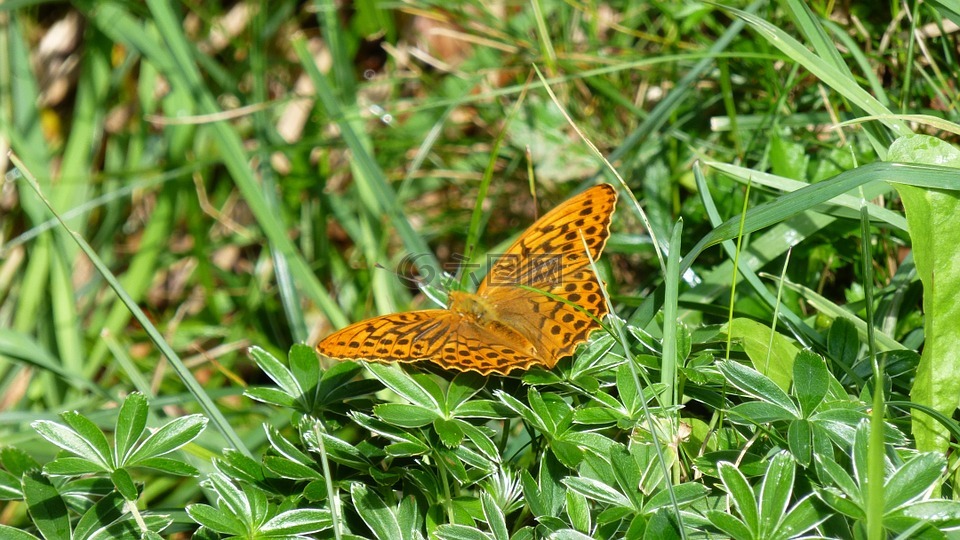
404	385
741	493
381	518
299	521
494	517
215	519
775	491
69	440
72	466
131	420
229	497
277	372
598	491
757	385
171	436
11	533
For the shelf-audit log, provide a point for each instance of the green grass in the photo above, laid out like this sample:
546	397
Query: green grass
783	359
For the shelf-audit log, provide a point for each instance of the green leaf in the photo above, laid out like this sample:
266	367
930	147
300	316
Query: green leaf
71	441
460	532
742	495
231	499
811	379
627	472
71	466
285	468
802	517
788	158
124	483
277	372
464	385
597	491
375	513
935	235
171	436
169	465
913	480
403	415
759	413
297	522
47	508
800	441
770	352
843	342
494	517
216	520
943	513
775	492
730	525
131	420
271	396
578	510
450	432
756	385
404	386
11	533
305	369
17	462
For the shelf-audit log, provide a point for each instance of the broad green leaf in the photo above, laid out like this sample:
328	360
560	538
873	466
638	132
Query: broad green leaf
11	533
231	499
802	517
843	341
277	372
305	369
169	465
935	235
71	466
760	413
729	524
598	491
770	352
124	483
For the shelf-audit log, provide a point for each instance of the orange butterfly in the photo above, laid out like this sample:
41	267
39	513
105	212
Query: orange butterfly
514	320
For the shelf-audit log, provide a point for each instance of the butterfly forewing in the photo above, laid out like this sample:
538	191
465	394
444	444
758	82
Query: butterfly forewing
549	261
435	335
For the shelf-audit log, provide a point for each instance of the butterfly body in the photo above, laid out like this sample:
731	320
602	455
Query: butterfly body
538	302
